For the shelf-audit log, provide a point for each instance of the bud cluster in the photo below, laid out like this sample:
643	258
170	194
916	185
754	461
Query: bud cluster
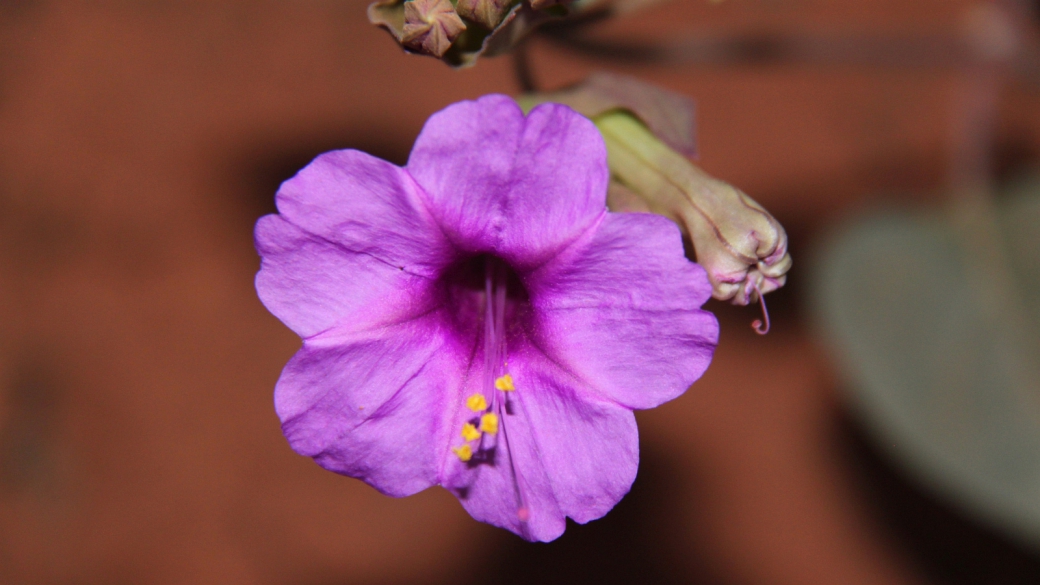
460	31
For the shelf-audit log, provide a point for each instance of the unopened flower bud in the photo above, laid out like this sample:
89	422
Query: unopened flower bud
489	13
460	31
743	248
430	26
647	131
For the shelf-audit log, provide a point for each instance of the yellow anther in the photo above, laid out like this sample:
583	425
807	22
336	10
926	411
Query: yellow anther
505	383
476	403
465	453
489	423
470	432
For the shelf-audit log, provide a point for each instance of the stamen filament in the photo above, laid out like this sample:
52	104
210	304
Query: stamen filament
495	407
495	352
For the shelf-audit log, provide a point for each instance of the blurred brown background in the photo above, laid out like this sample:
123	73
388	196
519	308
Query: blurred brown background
139	141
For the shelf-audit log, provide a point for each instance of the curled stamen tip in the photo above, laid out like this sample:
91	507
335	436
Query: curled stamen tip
523	514
761	326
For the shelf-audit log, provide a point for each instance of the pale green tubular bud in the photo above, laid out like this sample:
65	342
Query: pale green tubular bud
742	247
649	132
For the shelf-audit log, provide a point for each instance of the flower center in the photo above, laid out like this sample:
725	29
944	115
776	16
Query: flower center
465	289
486	430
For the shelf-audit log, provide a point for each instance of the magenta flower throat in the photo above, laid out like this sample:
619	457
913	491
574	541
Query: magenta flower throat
477	319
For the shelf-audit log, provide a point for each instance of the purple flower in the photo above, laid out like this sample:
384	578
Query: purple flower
477	319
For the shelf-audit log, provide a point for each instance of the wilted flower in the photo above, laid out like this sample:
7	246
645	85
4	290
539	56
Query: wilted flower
477	319
743	248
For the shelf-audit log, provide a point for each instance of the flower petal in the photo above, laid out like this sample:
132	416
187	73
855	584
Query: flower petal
371	405
521	188
572	454
640	344
312	284
365	205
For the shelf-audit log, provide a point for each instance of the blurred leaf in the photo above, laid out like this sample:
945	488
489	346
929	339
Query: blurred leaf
951	390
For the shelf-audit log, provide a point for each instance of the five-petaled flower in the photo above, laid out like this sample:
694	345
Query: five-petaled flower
477	319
